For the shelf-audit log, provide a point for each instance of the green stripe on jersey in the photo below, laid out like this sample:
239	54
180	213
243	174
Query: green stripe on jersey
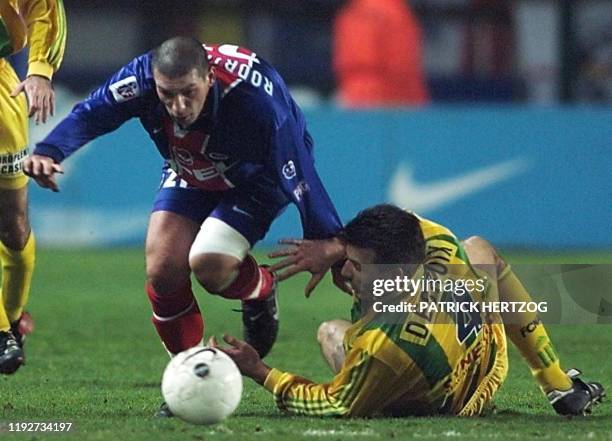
55	52
431	358
6	48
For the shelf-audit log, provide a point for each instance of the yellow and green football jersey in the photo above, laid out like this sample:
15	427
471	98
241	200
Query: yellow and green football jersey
41	24
421	364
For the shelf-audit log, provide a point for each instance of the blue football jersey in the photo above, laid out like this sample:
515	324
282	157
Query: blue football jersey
250	132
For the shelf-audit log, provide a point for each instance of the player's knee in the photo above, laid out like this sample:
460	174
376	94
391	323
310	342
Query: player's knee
14	230
166	277
331	332
478	242
214	271
481	251
324	332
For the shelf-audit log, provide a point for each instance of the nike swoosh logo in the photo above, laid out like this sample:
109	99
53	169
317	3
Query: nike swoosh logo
256	317
239	210
405	192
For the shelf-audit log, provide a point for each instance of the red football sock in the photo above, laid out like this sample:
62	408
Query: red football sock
176	318
252	283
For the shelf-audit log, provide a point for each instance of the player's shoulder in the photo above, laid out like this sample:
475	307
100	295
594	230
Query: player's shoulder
133	80
242	65
442	243
249	82
435	231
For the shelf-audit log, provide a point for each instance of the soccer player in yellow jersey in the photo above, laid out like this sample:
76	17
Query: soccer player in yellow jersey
39	24
417	362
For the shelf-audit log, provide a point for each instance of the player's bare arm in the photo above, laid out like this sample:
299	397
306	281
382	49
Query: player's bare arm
41	97
43	169
314	256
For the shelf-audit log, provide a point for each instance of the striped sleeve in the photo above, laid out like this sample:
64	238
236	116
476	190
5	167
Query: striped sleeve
12	30
362	387
46	22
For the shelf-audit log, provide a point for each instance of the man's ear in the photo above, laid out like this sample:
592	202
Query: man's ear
211	75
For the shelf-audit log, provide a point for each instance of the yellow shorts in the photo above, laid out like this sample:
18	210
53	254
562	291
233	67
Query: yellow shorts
13	130
493	380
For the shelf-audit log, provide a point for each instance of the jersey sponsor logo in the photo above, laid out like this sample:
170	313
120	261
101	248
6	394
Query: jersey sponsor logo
125	89
289	170
530	327
11	164
189	161
467	364
405	191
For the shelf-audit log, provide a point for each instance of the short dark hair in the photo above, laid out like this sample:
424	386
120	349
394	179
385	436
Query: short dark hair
393	234
178	56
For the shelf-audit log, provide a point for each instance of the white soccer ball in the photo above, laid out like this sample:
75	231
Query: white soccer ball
202	385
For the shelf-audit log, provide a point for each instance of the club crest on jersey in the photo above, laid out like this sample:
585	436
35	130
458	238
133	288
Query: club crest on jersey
183	156
289	170
125	89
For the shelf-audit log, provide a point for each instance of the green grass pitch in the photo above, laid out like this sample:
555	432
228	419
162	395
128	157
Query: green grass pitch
95	360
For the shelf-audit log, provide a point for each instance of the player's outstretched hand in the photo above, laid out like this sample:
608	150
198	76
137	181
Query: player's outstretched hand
43	170
41	98
246	358
314	256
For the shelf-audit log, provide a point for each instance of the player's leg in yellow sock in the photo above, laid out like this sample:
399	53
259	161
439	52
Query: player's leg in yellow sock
529	335
5	324
524	329
17	254
17	269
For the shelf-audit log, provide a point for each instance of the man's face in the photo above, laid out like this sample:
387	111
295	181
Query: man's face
184	97
359	262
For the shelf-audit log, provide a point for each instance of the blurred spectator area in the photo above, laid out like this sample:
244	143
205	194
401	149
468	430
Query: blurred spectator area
474	50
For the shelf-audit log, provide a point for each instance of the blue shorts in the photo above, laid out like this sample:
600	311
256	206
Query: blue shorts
250	210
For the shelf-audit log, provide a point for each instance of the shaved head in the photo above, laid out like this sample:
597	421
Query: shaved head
178	56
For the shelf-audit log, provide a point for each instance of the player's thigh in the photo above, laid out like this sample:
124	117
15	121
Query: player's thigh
250	211
241	218
169	238
13	131
178	211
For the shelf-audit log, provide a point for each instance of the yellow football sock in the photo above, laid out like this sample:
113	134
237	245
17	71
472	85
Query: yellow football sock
5	325
17	269
529	336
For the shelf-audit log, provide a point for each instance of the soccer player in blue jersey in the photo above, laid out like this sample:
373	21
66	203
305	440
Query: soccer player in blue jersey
236	152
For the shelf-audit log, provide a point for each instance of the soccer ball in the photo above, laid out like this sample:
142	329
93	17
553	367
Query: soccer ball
202	385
